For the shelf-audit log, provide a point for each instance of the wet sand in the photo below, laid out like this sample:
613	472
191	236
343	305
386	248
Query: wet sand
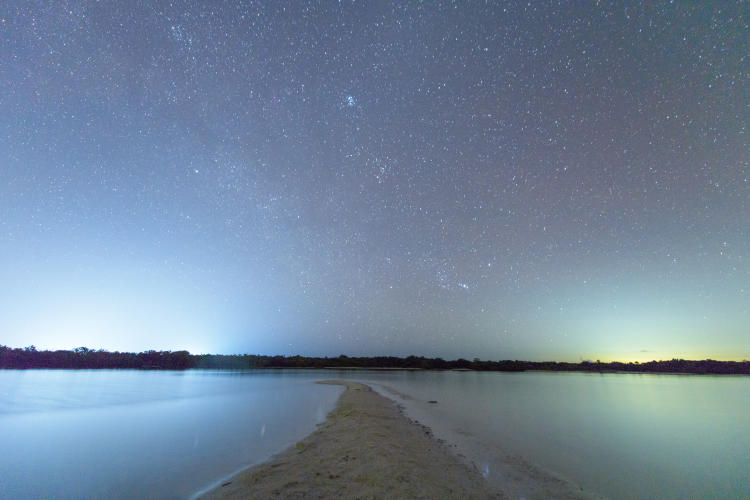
366	448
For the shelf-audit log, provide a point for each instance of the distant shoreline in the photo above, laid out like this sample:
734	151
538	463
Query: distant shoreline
380	369
374	368
84	358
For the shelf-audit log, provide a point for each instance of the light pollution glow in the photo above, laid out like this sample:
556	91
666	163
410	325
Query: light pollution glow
521	181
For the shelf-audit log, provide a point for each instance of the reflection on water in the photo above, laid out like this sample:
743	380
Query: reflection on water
104	434
620	435
133	434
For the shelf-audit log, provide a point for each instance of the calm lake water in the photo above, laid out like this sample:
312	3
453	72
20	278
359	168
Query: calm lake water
146	434
128	434
616	435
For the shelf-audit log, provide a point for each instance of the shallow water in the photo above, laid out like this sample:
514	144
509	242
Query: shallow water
136	434
108	434
616	435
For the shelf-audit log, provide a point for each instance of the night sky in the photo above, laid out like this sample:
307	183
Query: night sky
531	181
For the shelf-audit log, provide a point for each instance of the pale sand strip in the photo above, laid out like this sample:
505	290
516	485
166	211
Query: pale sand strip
365	449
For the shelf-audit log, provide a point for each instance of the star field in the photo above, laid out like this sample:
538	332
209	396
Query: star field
521	180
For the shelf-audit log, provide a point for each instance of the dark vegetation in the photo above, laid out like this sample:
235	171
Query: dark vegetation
84	358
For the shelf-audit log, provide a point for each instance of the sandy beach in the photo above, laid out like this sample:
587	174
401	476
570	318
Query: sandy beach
365	449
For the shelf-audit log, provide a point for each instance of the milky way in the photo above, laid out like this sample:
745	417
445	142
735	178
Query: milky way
454	179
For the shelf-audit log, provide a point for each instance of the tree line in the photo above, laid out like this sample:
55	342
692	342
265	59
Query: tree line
85	358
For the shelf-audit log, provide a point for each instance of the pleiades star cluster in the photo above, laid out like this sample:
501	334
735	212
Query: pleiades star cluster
557	180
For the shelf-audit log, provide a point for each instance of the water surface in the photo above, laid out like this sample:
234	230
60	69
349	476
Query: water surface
617	435
138	434
128	434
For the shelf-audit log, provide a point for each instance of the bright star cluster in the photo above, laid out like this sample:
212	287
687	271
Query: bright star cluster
455	179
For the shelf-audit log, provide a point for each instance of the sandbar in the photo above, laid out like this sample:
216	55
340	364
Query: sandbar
366	448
